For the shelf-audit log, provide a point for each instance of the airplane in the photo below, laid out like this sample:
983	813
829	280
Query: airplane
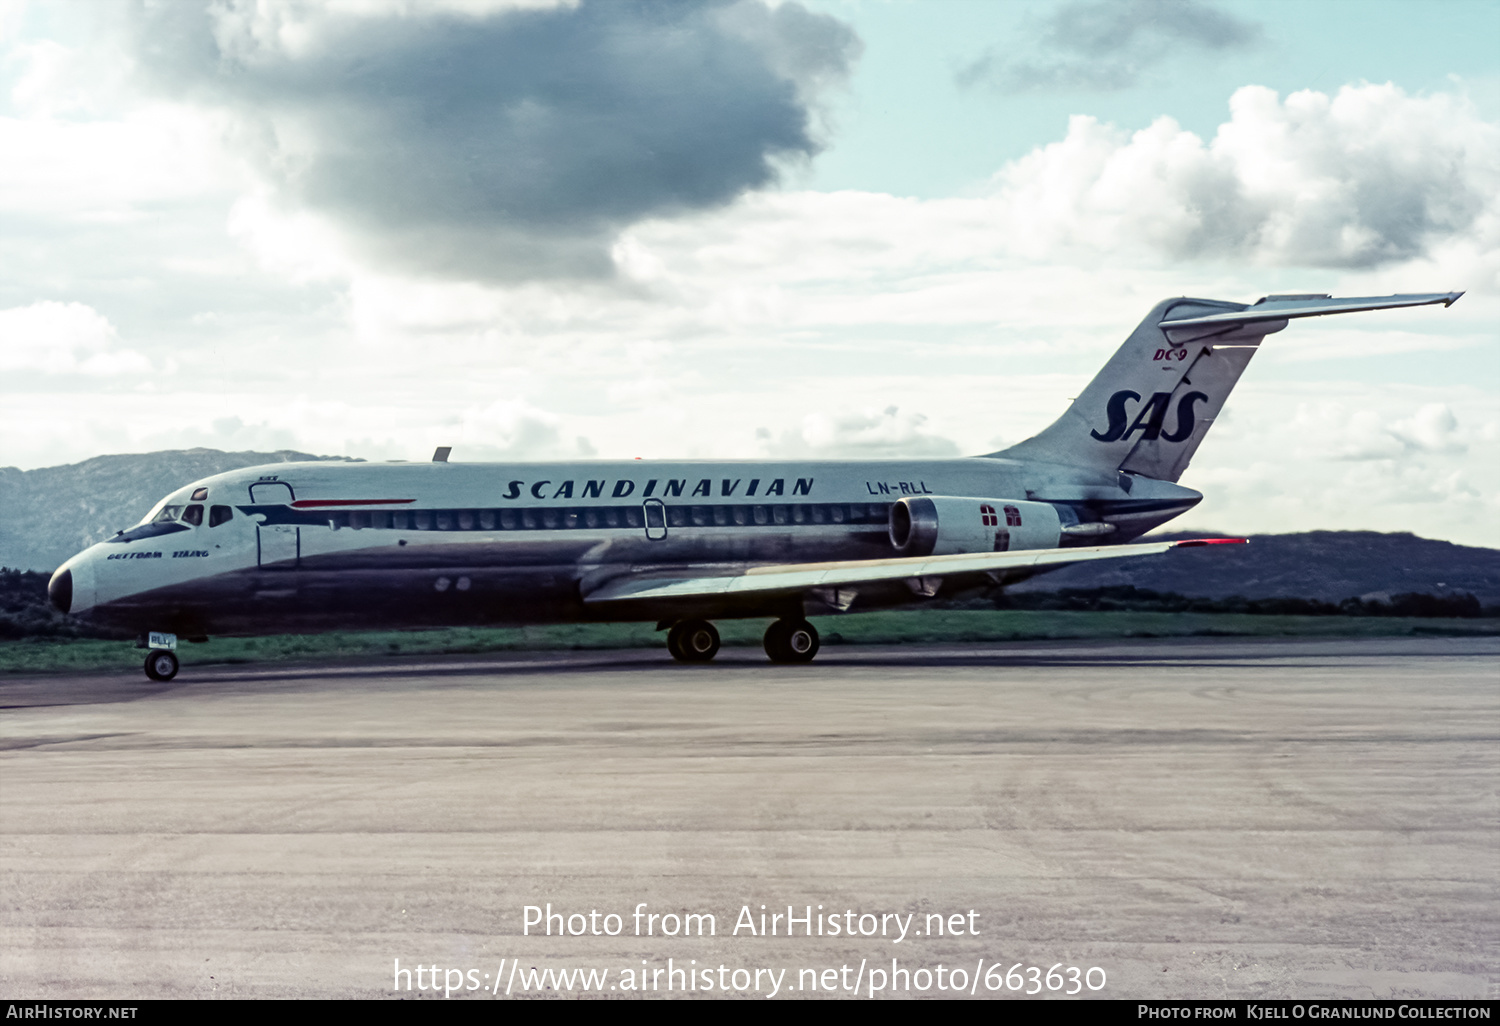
305	547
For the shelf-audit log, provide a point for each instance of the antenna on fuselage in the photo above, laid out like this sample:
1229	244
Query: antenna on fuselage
440	455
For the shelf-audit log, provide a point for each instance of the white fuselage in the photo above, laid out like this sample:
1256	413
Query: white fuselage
309	546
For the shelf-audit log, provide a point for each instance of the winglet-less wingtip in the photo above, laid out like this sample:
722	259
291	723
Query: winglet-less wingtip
1192	542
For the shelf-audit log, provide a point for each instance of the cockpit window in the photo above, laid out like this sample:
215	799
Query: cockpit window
170	513
193	515
219	515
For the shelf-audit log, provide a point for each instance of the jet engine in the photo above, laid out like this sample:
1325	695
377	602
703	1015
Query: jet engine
938	525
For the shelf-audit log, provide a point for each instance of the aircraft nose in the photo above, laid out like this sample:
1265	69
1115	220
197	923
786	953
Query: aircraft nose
60	590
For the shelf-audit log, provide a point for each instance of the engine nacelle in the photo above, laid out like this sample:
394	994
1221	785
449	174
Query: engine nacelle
939	525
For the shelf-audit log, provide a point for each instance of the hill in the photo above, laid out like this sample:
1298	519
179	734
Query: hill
1325	565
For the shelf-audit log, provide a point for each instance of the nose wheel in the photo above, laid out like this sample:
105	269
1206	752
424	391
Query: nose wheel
161	664
693	641
791	641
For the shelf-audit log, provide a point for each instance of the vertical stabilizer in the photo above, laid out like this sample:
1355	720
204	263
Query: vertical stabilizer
1149	408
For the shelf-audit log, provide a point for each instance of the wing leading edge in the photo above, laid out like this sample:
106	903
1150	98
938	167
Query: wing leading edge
798	577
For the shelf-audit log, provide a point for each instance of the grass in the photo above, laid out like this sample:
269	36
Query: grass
59	655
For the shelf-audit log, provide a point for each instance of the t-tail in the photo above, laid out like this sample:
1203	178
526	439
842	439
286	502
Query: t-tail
1147	411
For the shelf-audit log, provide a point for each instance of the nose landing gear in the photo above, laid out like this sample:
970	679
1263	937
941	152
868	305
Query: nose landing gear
161	664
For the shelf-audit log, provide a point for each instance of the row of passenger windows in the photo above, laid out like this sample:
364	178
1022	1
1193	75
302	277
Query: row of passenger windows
193	515
566	518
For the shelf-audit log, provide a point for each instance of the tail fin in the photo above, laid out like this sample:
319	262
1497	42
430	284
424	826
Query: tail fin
1147	411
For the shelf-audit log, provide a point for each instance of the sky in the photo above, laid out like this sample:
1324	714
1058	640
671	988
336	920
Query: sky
838	228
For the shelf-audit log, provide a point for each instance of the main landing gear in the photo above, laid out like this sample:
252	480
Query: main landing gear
693	641
161	664
789	640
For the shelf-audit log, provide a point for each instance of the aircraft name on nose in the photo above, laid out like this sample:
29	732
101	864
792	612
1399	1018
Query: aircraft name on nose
135	555
1150	418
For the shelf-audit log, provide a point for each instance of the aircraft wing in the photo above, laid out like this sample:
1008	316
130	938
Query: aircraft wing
796	577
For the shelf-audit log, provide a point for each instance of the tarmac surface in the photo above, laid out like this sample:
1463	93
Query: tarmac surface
1203	818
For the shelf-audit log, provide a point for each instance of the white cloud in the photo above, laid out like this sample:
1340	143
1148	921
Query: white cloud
125	169
296	243
509	429
865	434
1367	177
1366	457
1433	428
64	338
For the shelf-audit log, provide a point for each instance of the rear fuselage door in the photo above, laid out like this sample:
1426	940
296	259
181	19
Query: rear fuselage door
656	519
280	545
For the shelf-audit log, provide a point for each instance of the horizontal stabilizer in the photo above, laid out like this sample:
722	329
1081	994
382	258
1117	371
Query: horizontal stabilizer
798	577
1281	309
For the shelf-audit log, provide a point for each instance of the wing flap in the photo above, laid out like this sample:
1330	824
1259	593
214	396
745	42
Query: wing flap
796	577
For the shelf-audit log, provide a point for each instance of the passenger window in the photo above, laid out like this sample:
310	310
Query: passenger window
487	520
219	515
422	520
760	515
193	515
399	521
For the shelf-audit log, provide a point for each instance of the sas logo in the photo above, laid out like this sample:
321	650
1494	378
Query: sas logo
1150	418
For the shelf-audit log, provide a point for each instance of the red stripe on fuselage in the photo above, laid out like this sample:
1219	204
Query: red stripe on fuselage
311	503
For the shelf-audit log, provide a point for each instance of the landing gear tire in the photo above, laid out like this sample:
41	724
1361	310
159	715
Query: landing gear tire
693	641
161	664
791	641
